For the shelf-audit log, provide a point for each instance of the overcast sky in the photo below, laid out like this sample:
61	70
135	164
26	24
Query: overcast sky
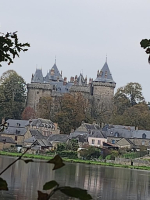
80	33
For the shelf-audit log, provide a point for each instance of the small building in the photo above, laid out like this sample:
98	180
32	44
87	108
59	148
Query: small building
16	129
39	144
56	139
6	142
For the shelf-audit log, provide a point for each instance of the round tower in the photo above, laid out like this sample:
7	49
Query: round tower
103	86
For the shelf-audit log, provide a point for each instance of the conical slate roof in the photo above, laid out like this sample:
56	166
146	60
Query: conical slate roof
104	75
38	76
80	80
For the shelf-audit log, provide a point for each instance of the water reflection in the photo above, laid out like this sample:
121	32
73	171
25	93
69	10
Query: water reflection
106	183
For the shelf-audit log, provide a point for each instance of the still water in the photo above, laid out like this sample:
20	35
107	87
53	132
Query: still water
106	183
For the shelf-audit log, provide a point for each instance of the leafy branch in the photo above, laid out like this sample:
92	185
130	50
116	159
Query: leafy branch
145	44
10	47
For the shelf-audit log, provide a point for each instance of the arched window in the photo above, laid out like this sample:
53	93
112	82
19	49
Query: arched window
143	135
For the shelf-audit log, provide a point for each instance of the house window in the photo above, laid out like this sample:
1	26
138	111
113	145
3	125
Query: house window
18	124
15	138
143	142
99	142
93	141
113	141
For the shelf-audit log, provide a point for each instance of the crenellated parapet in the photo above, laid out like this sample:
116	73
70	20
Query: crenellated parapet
44	86
79	88
113	85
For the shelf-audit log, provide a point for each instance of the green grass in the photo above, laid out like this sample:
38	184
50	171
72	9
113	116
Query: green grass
75	160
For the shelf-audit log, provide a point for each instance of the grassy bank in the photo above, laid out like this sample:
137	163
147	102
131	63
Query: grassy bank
74	160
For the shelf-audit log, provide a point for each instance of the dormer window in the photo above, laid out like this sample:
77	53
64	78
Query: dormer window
144	136
105	74
116	134
101	73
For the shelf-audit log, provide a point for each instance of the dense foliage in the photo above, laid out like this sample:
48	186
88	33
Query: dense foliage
90	153
130	107
68	111
12	96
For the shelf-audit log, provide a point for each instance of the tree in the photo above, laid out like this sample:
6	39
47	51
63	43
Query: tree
10	47
138	116
28	113
12	96
45	107
90	153
125	100
73	110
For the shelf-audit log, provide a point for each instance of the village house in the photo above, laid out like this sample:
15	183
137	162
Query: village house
16	129
56	139
6	142
46	126
126	137
97	139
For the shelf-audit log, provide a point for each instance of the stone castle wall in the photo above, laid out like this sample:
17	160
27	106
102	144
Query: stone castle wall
100	92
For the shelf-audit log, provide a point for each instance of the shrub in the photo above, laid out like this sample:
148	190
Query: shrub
68	154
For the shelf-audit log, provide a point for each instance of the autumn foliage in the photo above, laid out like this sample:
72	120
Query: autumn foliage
28	113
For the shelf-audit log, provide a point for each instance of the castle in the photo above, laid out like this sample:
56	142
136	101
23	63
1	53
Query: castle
100	90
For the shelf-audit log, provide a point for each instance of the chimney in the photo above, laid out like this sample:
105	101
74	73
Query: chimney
65	81
3	120
86	79
72	79
90	80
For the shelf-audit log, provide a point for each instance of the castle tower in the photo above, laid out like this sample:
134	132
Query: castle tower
103	86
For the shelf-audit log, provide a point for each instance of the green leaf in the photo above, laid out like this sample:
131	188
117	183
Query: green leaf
76	192
57	161
3	184
49	185
145	43
42	196
27	160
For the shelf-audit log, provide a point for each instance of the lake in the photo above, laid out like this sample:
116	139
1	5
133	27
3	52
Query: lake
106	183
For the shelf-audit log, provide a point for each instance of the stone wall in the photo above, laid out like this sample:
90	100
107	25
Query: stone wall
136	162
97	92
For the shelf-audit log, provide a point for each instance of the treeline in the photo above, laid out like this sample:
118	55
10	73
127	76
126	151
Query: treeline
128	108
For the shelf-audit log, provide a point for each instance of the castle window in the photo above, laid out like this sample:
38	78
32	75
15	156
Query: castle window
143	142
37	92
